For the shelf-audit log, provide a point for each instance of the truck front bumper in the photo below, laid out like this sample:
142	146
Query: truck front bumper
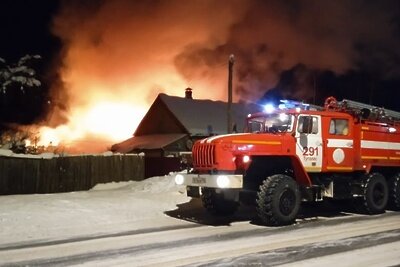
210	180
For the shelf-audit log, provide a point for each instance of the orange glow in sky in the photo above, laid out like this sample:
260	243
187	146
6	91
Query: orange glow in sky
113	67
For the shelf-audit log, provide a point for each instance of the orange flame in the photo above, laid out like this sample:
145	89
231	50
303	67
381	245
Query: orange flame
109	120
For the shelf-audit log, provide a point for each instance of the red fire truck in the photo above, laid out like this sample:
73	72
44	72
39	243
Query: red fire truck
301	153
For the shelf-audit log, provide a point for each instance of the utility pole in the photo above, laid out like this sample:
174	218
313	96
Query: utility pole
230	72
315	88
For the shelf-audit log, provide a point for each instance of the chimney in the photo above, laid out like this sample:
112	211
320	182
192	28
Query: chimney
188	93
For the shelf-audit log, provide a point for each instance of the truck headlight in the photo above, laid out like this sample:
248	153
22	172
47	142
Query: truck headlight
179	179
222	181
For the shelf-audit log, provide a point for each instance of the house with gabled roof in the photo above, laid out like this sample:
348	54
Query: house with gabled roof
173	124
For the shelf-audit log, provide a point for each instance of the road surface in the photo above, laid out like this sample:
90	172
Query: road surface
188	236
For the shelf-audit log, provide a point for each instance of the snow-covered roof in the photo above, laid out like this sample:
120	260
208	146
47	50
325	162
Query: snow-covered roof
170	118
205	117
153	141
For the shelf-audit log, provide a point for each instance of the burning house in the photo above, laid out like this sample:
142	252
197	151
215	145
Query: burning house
173	124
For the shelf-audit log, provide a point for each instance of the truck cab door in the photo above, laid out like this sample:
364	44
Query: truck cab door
339	149
309	142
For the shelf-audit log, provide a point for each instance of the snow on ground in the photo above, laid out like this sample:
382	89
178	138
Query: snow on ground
9	153
130	206
107	208
48	155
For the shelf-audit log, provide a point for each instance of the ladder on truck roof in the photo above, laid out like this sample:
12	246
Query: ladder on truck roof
362	110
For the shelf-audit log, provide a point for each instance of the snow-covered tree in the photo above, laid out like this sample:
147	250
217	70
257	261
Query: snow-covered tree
20	74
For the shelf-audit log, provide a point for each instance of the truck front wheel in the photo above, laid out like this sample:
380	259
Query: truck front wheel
278	200
216	204
394	192
375	193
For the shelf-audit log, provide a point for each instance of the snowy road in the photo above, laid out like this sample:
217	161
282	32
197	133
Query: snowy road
164	235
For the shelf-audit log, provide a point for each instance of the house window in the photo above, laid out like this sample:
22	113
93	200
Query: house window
339	127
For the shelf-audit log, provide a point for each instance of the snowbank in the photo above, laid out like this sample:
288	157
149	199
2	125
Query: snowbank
6	152
113	207
161	184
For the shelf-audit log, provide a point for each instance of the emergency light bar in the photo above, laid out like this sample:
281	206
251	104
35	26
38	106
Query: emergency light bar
293	104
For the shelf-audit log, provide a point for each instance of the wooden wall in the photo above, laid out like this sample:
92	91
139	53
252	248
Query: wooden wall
66	174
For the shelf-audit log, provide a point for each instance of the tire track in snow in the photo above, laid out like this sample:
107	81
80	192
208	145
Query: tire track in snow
296	254
176	246
250	245
42	243
193	223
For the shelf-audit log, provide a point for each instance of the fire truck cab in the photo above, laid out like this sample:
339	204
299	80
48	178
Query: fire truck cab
301	153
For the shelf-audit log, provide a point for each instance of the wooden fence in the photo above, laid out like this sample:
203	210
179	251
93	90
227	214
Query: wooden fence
66	174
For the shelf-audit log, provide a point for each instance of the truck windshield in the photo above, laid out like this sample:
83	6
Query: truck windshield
271	123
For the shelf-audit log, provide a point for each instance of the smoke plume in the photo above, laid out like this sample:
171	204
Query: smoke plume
274	36
127	52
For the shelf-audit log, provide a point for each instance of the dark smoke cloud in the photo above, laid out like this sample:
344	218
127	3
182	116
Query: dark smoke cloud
275	36
267	38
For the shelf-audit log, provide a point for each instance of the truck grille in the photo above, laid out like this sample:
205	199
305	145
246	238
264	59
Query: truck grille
203	155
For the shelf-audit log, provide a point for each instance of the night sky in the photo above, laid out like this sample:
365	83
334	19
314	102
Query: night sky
25	29
366	68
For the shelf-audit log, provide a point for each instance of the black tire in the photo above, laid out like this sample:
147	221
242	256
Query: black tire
216	204
374	194
394	192
278	200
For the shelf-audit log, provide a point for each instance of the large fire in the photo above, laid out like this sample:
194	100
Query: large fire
99	117
110	121
117	58
119	55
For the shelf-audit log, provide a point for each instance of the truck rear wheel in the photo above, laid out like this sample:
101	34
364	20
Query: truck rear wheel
394	192
278	200
375	193
216	204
